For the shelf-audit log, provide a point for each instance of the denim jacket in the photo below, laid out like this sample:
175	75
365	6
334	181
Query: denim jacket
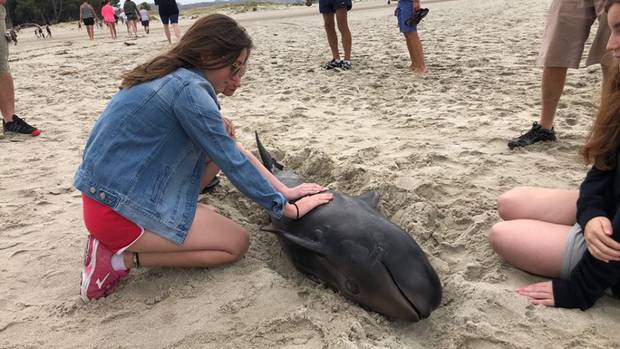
147	151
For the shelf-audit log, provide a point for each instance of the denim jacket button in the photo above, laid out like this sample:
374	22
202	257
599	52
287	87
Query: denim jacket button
93	190
102	196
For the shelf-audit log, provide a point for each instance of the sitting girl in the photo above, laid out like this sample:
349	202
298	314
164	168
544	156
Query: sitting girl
572	237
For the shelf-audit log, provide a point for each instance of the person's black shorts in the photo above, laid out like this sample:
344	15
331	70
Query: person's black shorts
330	6
145	23
169	19
132	17
88	21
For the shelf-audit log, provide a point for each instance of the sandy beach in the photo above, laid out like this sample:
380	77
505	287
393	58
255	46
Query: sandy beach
433	146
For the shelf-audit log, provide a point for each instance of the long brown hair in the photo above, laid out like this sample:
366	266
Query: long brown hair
604	137
213	42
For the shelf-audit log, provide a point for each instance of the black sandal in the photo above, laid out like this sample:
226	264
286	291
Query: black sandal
417	17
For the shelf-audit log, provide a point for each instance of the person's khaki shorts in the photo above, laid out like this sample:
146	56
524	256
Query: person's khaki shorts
568	27
4	45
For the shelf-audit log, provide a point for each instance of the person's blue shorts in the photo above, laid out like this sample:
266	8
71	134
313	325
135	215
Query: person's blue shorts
172	19
404	11
330	6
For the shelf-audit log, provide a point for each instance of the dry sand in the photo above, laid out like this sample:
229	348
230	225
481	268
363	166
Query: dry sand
433	146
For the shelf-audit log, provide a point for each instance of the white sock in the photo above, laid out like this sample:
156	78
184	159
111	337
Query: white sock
118	262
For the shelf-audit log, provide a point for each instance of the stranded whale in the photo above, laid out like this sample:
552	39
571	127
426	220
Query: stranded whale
351	247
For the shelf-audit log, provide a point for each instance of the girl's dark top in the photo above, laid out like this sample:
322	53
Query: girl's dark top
599	195
167	7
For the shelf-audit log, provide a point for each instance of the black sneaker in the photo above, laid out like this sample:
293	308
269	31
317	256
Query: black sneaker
333	64
346	65
211	186
536	134
19	125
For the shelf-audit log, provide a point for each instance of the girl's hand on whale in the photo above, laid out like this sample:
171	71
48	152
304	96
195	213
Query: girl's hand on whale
306	204
303	190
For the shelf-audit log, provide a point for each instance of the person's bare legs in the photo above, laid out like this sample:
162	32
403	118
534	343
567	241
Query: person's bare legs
167	32
534	246
345	33
536	224
332	38
177	30
552	86
212	240
416	53
112	28
91	32
7	96
133	28
557	206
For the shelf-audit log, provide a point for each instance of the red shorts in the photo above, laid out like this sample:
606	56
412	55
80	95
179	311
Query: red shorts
110	228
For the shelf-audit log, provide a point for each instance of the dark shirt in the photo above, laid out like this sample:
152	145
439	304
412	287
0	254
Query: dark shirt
599	195
130	8
167	7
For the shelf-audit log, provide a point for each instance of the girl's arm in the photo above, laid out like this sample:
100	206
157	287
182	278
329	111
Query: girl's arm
289	193
594	195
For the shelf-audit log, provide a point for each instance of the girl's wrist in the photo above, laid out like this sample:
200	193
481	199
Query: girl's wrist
289	211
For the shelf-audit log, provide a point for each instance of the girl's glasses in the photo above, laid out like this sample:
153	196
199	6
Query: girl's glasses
238	69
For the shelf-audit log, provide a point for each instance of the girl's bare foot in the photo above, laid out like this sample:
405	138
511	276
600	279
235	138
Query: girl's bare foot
418	70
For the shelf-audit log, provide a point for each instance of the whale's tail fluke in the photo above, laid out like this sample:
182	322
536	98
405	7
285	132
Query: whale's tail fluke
268	160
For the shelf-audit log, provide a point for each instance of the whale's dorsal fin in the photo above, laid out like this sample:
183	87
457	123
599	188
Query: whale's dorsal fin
268	160
311	245
371	198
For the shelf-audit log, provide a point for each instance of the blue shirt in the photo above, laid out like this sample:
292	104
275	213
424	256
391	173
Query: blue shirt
147	151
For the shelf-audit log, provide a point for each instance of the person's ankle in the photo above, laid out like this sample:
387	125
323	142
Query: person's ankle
546	125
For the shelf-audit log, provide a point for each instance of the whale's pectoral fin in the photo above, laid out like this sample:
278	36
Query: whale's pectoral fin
371	198
270	228
311	245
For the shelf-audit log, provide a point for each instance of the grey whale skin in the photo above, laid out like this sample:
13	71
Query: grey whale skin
351	247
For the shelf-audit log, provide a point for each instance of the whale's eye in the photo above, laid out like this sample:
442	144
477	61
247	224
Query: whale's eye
352	287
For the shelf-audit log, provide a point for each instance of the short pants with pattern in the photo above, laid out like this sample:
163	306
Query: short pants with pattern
4	44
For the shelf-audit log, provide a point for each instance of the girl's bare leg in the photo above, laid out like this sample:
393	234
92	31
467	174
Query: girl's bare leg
536	224
416	53
548	205
167	32
212	240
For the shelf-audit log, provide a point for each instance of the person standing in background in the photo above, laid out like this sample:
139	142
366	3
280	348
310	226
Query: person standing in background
145	18
109	17
88	16
10	121
131	11
169	14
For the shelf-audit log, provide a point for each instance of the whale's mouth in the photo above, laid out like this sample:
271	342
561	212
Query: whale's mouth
413	307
